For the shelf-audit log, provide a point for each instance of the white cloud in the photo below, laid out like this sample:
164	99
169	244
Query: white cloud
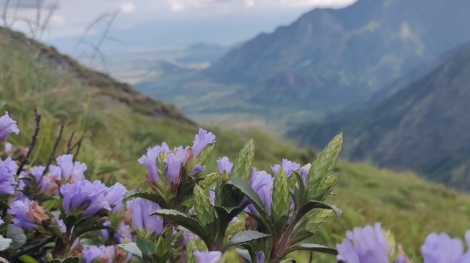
59	20
73	16
128	8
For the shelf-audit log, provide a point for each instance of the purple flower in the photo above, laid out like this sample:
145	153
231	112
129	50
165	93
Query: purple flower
212	196
105	254
288	166
197	169
174	161
7	126
207	256
7	181
150	160
105	232
26	214
84	197
91	253
224	165
187	236
304	172
115	195
263	184
364	245
123	234
260	257
47	183
141	218
444	249
7	147
71	171
202	140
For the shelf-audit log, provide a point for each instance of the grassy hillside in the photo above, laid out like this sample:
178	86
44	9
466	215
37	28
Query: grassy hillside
115	135
421	127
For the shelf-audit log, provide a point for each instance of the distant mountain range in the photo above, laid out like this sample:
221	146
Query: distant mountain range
325	60
422	125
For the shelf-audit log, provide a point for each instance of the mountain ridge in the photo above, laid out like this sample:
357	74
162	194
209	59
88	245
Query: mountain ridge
421	127
325	60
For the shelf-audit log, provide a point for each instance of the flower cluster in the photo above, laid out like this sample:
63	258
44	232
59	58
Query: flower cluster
184	214
369	244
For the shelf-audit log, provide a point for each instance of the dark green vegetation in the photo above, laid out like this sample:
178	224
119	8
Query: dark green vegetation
116	134
423	126
325	60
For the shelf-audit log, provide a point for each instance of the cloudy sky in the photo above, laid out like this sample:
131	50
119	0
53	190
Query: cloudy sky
164	22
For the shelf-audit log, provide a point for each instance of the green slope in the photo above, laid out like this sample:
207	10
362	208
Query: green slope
423	127
325	60
115	136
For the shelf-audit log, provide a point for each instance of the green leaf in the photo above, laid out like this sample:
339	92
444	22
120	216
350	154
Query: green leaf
148	196
313	248
315	205
209	180
83	228
17	236
147	248
202	157
190	248
131	248
324	188
325	162
244	163
202	206
254	199
243	237
185	221
164	244
299	194
244	254
280	207
311	222
4	243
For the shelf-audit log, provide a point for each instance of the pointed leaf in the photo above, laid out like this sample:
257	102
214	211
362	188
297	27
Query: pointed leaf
325	162
148	196
202	157
243	237
253	197
311	222
202	206
315	205
131	248
324	188
190	248
147	248
185	221
299	193
209	180
280	207
244	254
244	163
313	248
